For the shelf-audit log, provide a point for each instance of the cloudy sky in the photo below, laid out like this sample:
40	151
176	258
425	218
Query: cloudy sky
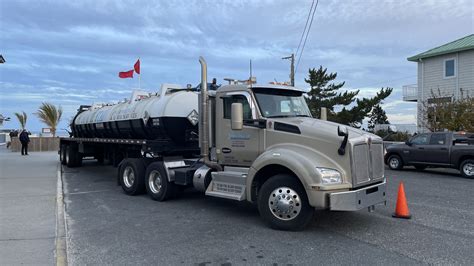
70	52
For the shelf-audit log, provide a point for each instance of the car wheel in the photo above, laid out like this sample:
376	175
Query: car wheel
467	168
395	162
420	167
132	176
283	204
157	184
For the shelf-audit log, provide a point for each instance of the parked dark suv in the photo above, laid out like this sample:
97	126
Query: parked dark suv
440	149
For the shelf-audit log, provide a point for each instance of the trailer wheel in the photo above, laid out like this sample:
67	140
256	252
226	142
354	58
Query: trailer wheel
283	204
132	176
72	156
62	154
157	184
467	168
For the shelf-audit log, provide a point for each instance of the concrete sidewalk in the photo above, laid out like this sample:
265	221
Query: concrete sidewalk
27	207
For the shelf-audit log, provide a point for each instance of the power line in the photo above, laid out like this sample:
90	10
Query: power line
304	30
307	34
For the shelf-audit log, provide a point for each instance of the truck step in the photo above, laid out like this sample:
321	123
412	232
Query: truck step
228	184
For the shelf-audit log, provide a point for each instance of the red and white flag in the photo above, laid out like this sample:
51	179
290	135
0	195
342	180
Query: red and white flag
126	74
137	66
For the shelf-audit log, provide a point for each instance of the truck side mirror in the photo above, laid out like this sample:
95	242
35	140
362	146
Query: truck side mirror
342	131
237	116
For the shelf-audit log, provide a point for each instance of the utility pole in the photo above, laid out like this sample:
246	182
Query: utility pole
292	70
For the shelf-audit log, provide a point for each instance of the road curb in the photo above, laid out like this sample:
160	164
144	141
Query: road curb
61	229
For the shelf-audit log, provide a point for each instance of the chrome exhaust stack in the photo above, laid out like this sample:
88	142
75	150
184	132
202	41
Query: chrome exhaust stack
204	119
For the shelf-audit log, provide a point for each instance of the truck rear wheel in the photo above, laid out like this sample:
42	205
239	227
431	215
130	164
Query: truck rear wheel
157	184
467	168
283	204
132	176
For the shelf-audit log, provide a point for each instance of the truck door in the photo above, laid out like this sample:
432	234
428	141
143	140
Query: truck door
417	151
437	151
236	147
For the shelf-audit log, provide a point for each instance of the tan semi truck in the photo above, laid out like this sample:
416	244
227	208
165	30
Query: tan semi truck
256	143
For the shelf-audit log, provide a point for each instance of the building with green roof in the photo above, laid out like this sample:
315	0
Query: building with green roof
446	70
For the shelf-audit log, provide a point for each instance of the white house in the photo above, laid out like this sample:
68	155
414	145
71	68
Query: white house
447	70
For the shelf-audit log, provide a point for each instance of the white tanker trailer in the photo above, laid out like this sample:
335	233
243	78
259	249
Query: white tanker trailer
170	115
244	142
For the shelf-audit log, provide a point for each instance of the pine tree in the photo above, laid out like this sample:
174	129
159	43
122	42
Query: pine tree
377	116
324	93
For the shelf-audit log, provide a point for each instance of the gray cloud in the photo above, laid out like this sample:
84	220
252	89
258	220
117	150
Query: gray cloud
71	51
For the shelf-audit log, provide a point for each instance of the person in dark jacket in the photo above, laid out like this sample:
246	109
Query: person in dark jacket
24	139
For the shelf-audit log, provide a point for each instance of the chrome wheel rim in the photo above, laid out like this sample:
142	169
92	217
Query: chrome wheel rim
468	169
394	163
154	182
128	176
284	203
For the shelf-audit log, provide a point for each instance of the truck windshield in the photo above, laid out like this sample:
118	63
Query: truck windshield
281	103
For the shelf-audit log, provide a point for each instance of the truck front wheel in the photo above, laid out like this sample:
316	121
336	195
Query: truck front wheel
395	162
283	204
467	168
132	176
157	184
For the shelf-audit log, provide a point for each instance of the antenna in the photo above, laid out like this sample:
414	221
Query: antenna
250	78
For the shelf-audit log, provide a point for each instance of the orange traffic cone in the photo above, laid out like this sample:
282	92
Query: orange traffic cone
401	211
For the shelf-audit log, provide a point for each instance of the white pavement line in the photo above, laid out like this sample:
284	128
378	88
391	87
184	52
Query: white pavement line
61	229
87	192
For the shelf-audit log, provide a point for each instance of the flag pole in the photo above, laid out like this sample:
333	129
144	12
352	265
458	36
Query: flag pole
139	76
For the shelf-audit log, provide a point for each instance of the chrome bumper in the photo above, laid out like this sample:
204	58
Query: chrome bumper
358	199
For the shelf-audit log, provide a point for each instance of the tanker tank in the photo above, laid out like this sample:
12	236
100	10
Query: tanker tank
171	115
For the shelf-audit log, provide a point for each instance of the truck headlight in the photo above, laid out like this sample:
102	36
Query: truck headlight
329	176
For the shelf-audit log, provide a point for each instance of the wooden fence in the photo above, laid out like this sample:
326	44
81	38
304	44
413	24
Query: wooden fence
37	144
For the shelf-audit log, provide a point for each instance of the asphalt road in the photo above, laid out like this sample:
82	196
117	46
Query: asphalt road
105	226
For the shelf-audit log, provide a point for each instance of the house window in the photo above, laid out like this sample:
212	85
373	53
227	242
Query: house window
449	68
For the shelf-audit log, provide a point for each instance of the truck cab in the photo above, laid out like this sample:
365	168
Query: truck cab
275	154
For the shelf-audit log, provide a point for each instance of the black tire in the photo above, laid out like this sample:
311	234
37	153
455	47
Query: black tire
132	176
467	168
292	218
157	184
71	156
394	162
62	154
420	167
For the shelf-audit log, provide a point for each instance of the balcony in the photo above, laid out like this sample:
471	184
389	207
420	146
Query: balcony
410	93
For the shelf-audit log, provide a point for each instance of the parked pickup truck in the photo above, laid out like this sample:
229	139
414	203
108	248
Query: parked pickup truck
440	149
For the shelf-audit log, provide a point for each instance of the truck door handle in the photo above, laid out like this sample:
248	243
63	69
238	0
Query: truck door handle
421	148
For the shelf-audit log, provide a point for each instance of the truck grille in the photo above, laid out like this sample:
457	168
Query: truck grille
367	164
